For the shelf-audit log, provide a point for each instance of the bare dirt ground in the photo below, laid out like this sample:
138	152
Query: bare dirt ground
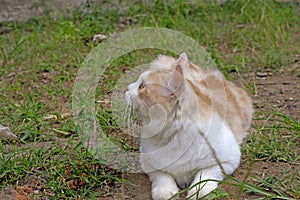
278	91
140	189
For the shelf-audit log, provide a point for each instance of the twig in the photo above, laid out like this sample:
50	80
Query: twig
274	83
122	188
267	83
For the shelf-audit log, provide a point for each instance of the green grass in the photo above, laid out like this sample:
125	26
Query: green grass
276	140
40	58
59	165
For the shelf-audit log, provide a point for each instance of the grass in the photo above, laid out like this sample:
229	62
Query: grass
276	134
68	171
40	58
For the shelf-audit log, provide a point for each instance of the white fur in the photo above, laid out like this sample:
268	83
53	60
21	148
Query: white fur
175	153
187	158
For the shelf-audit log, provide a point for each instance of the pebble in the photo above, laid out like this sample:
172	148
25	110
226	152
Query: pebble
289	99
261	74
6	134
50	117
99	37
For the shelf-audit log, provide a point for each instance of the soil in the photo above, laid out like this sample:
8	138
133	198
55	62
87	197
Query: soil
280	91
274	91
23	10
140	187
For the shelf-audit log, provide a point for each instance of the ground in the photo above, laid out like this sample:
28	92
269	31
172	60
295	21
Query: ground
278	91
254	43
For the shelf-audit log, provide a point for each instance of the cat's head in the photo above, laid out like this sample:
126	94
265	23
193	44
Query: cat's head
161	85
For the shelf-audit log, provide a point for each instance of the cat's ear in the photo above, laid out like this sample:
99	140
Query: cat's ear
182	60
175	80
174	84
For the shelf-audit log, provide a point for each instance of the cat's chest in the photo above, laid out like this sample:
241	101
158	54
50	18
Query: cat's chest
187	152
180	158
180	155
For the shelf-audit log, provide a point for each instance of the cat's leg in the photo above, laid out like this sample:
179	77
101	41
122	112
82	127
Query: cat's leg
163	185
201	189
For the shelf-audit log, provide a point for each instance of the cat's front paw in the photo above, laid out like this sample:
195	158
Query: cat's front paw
160	193
196	192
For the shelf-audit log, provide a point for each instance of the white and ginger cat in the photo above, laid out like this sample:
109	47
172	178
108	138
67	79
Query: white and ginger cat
193	121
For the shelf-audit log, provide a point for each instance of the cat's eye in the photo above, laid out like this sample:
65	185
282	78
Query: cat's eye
141	86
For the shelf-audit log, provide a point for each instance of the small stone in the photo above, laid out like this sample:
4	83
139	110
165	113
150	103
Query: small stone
261	74
6	134
99	37
50	117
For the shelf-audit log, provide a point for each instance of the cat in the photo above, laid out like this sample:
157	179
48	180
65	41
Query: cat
192	122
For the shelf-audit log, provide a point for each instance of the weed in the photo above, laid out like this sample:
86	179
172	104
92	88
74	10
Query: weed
39	60
272	142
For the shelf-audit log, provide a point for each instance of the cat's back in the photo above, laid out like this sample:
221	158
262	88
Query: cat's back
230	102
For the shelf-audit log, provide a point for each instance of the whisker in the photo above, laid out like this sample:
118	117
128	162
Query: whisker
128	118
131	120
125	116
